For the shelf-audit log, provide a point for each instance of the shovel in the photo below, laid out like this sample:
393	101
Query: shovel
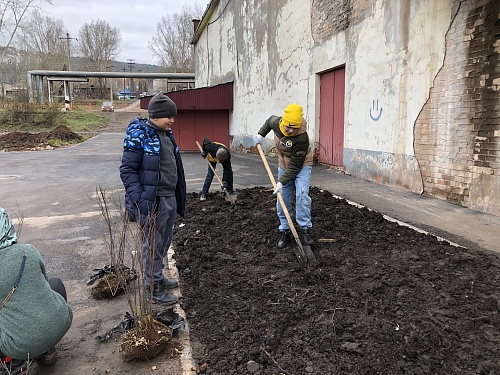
304	253
230	198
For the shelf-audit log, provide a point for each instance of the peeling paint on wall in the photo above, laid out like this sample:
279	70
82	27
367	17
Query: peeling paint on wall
415	72
400	171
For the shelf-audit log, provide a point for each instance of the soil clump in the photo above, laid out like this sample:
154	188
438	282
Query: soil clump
383	298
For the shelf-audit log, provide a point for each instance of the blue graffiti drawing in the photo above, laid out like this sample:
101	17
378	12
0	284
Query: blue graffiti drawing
375	108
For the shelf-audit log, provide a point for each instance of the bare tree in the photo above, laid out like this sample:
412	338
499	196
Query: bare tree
12	13
98	45
40	40
171	43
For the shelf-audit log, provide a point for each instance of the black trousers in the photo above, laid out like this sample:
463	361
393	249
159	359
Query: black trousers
57	286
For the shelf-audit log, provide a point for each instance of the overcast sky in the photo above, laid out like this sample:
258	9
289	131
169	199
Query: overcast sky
136	20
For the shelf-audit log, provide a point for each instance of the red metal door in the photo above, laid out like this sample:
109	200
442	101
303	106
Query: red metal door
192	126
331	121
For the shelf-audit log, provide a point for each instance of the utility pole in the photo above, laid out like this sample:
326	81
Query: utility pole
110	83
131	63
67	98
68	46
124	70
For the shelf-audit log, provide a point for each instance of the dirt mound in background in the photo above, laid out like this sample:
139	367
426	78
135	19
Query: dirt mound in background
25	141
383	299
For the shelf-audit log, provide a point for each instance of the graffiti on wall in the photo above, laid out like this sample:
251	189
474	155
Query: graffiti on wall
375	112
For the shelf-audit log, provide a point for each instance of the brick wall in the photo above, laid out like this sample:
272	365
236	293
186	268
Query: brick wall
457	134
328	18
360	9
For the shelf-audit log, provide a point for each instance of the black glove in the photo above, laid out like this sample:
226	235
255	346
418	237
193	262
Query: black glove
203	154
224	185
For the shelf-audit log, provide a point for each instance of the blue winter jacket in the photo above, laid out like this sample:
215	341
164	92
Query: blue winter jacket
140	170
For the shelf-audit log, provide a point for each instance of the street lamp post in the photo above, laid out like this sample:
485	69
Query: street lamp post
131	63
124	70
110	84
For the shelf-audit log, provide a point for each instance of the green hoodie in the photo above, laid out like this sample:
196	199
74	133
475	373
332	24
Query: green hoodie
35	318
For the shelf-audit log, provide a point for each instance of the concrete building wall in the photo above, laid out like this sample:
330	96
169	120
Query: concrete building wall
265	47
417	93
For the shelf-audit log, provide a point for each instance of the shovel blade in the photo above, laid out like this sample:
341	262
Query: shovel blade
230	197
311	259
299	252
304	254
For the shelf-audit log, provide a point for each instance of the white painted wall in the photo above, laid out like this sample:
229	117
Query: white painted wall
267	48
388	82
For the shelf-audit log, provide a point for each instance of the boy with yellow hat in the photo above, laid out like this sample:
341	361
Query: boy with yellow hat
295	160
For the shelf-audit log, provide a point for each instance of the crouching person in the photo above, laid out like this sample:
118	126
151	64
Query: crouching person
34	315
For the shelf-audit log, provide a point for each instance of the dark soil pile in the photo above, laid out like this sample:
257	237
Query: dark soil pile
383	299
25	141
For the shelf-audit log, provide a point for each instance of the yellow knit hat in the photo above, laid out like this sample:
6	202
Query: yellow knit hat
292	116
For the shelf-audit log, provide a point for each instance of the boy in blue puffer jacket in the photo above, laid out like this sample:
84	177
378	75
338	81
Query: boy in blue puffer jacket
155	189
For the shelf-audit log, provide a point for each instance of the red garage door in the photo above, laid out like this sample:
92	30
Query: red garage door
331	118
201	112
192	126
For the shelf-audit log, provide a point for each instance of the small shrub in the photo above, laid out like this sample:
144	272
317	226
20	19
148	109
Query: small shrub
20	114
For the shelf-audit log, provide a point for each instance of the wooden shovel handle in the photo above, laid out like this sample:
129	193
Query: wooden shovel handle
210	165
280	198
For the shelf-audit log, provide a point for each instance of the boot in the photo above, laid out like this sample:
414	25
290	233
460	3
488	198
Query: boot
168	284
161	297
306	236
284	239
47	358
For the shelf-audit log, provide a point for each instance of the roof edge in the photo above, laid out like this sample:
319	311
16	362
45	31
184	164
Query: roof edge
204	20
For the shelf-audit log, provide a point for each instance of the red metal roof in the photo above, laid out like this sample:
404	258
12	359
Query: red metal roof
203	98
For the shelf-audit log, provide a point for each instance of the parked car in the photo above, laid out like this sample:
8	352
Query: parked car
107	107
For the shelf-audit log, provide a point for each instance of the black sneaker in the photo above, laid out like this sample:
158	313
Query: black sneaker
284	239
167	284
306	236
47	358
161	297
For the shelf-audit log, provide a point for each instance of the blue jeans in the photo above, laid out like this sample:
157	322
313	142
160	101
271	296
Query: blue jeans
160	237
300	186
210	177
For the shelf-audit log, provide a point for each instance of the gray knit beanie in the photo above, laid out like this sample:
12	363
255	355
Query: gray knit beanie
161	106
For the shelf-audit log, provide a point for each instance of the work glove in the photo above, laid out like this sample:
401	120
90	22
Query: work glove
223	186
203	154
257	139
279	187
